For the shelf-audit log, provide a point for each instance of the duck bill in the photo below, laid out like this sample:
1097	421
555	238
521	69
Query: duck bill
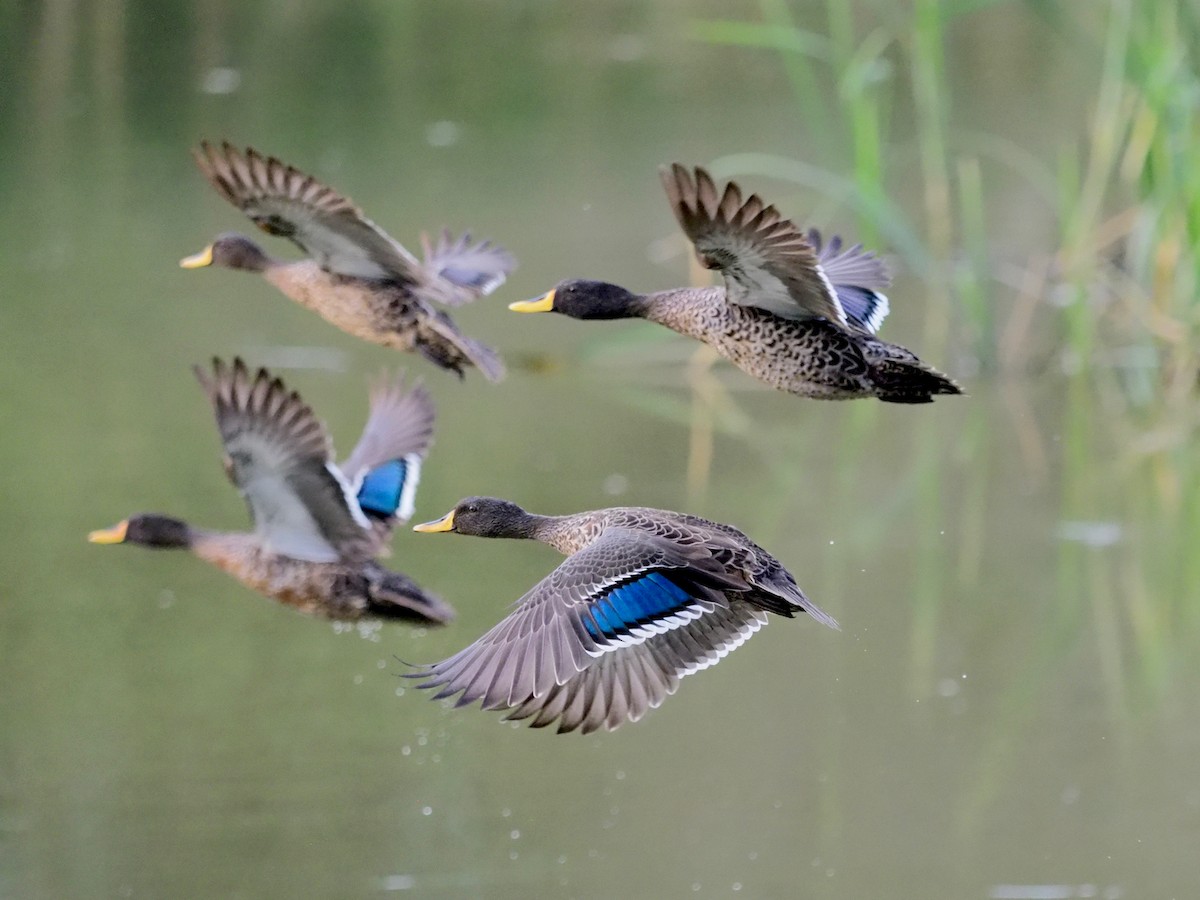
114	535
198	260
445	523
545	303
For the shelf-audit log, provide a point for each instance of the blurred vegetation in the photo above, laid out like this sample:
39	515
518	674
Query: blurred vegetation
1039	535
1109	305
1117	289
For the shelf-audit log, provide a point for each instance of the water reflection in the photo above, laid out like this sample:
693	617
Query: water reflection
168	734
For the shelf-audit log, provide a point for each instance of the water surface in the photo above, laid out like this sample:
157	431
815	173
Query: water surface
1010	706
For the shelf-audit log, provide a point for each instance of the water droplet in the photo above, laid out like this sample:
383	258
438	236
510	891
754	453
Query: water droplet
615	484
221	80
427	810
1090	534
515	834
442	134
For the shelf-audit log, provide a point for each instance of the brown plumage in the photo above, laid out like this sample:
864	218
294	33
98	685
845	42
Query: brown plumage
645	598
795	312
357	277
317	526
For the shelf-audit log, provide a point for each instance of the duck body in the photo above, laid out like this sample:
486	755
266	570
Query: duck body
645	598
794	311
319	526
772	587
811	357
325	590
356	276
339	591
387	313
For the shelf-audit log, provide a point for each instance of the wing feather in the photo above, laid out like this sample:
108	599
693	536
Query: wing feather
279	458
284	201
567	653
767	262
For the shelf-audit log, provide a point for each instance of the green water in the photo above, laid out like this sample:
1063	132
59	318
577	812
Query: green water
1011	701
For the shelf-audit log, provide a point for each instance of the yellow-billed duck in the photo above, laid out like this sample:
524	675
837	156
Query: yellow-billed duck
794	312
644	598
357	277
318	526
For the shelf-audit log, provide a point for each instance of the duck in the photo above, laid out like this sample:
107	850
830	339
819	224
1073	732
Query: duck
795	312
645	598
318	526
355	276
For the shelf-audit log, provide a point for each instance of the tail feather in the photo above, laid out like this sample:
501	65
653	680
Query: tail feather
443	344
908	380
396	596
485	359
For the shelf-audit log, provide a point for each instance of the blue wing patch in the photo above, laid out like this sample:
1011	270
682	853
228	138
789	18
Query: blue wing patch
388	490
864	307
642	601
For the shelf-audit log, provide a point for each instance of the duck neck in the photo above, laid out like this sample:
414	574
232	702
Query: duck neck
689	311
564	533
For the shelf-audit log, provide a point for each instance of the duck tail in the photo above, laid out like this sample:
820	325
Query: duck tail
903	381
396	596
439	341
485	359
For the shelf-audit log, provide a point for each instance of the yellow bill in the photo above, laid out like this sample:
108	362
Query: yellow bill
541	304
198	260
114	535
445	523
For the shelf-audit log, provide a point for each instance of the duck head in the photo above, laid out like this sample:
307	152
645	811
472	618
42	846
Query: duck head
484	517
231	251
582	299
149	530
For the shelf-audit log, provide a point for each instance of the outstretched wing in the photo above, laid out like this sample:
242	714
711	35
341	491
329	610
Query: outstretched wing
385	465
278	456
469	269
282	200
766	261
605	636
858	276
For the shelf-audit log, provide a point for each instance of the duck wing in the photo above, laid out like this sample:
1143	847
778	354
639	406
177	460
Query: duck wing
283	201
858	277
468	269
625	591
278	455
767	262
384	467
